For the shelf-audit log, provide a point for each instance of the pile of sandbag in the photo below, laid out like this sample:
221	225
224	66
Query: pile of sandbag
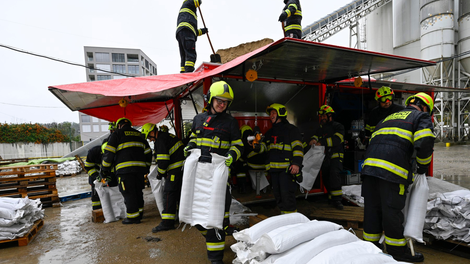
293	238
17	216
68	167
448	216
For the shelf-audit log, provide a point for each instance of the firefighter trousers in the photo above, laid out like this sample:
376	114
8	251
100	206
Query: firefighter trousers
171	196
284	191
187	45
215	239
130	186
383	205
95	199
331	174
293	33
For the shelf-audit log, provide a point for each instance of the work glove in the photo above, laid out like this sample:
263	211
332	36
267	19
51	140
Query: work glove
297	177
229	160
160	176
283	17
256	148
204	31
186	151
421	169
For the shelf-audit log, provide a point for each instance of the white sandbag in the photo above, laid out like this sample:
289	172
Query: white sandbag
252	234
263	181
311	166
157	188
282	239
371	258
112	202
203	191
345	253
13	203
303	253
415	208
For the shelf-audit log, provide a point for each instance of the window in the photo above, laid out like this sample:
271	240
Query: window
86	118
105	67
118	57
119	68
91	77
89	56
91	67
86	128
96	128
115	77
133	69
104	128
104	77
146	64
102	56
132	58
94	119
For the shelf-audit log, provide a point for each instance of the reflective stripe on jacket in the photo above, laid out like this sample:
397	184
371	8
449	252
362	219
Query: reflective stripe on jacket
294	15
169	149
187	17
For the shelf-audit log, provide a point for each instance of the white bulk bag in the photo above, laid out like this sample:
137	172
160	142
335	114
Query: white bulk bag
112	202
282	239
263	181
303	253
415	208
345	253
203	191
311	166
252	234
157	188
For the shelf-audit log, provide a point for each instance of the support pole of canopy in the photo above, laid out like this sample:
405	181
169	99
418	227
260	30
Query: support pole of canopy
178	117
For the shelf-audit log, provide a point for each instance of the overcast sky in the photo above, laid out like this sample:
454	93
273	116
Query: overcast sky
60	29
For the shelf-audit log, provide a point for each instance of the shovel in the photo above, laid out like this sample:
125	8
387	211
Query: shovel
214	57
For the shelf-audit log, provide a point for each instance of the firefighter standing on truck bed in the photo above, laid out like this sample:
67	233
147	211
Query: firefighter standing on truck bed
292	14
216	131
331	135
170	161
187	33
283	144
131	157
387	172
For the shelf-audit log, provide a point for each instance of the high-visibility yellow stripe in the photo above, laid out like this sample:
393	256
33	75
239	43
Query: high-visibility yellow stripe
133	215
329	142
187	10
89	164
371	237
90	172
218	246
425	160
387	166
340	136
186	24
293	26
395	242
169	216
95	203
163	156
279	165
130	164
405	134
110	148
175	147
175	165
337	193
257	166
130	144
288	212
423	133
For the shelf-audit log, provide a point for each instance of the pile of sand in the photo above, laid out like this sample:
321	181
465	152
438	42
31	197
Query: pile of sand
229	54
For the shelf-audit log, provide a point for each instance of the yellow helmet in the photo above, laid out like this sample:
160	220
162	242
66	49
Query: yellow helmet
220	90
163	128
384	91
123	120
326	109
280	109
245	128
421	98
146	129
111	126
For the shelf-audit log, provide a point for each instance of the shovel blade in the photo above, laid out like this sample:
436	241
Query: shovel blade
216	58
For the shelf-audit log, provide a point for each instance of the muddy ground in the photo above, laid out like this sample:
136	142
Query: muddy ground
70	236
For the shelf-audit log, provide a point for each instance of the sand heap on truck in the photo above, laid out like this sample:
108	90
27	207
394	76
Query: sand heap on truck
242	49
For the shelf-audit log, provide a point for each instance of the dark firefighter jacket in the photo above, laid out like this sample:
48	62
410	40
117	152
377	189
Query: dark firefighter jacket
93	162
128	152
379	113
284	146
169	150
392	144
187	17
330	135
294	15
216	134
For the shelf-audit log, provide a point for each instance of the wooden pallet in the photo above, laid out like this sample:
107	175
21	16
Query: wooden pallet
4	162
25	240
350	216
33	181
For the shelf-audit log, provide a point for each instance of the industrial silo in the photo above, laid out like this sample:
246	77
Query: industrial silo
464	34
437	34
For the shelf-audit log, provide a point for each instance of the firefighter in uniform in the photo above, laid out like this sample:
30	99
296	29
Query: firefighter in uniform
331	135
92	166
216	131
384	97
187	33
283	145
387	172
131	157
292	15
170	160
250	160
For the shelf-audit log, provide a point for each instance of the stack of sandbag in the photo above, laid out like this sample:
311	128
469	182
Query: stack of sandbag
293	238
448	216
17	216
68	167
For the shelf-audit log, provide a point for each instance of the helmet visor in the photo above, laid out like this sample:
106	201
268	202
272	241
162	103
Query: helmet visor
385	99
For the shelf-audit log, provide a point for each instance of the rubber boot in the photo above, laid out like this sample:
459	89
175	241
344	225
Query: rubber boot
129	221
164	226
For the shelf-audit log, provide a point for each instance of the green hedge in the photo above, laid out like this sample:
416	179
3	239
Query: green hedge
32	133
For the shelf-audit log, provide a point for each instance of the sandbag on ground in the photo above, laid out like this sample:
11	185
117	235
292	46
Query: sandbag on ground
345	253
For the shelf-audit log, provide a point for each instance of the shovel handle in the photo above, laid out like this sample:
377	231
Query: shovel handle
204	23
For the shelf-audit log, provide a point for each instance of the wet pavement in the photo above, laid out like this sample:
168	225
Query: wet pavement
70	236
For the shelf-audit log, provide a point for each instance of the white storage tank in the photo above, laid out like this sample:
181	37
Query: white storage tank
437	31
464	34
379	24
